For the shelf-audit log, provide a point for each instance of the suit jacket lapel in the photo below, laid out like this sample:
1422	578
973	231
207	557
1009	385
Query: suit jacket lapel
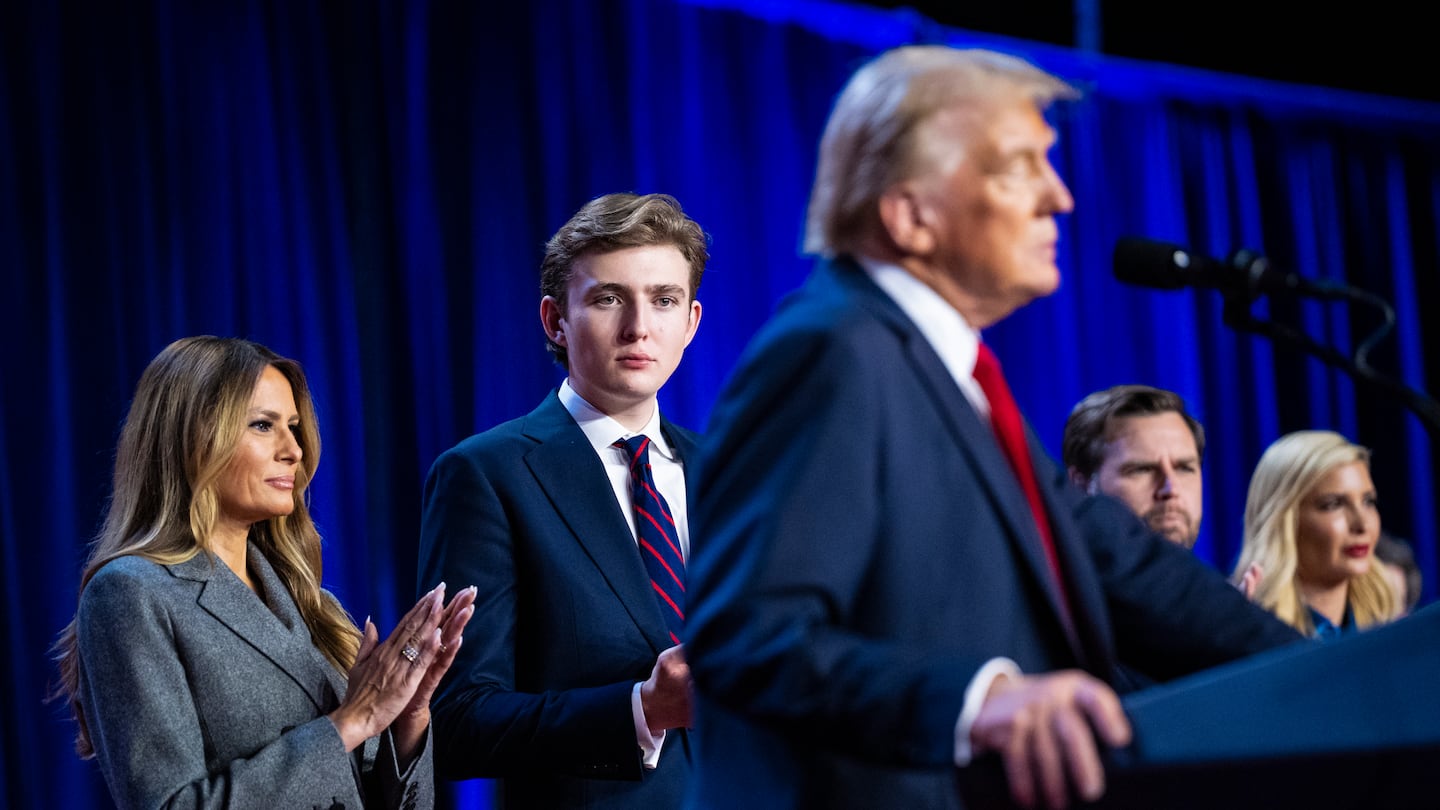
972	435
683	444
307	658
976	439
574	481
1086	594
225	597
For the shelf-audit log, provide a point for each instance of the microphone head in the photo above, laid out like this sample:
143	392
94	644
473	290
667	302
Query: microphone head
1160	265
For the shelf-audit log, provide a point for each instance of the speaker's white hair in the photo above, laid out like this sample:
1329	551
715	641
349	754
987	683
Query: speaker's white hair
874	137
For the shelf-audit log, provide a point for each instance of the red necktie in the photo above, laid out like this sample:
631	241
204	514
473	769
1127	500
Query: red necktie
655	531
1010	431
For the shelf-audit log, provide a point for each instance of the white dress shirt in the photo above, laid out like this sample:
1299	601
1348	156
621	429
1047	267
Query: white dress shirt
944	328
669	473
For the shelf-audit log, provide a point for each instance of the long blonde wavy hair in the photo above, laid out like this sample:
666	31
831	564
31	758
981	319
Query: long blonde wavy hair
1287	472
183	429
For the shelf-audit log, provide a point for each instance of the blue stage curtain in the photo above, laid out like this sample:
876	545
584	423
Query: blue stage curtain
367	187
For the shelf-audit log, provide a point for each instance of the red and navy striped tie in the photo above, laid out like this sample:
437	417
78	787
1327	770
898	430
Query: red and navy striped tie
655	531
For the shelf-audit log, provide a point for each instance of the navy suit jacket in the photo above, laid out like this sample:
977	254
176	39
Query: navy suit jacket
565	620
863	548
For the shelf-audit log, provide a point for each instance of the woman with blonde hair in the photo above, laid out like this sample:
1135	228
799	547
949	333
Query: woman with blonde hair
1311	525
205	666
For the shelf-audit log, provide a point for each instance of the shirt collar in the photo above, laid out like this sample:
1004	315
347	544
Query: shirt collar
1326	629
602	431
954	339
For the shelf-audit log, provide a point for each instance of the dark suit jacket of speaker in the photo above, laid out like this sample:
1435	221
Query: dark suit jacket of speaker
864	548
565	620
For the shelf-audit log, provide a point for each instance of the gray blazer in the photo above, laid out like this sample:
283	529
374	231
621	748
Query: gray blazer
199	694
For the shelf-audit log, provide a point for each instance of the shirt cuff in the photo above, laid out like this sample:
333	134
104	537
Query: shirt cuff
974	699
650	744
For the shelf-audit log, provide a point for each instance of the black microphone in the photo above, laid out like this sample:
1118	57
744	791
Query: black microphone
1163	266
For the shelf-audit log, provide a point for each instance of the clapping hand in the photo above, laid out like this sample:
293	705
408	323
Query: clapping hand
415	717
391	681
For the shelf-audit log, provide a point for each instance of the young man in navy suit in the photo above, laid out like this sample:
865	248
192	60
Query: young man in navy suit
571	685
894	577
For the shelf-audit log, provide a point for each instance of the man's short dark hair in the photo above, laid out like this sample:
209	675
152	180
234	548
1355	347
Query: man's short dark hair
616	222
1088	429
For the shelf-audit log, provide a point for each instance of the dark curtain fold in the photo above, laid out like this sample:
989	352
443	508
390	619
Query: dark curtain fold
367	187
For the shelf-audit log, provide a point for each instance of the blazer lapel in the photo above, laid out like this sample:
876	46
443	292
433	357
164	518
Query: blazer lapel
974	438
225	597
1086	594
682	442
685	444
307	659
575	482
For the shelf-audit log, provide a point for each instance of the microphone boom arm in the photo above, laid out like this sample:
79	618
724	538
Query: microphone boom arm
1237	315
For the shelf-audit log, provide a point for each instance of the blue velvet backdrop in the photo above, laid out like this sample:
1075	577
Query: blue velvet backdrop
367	186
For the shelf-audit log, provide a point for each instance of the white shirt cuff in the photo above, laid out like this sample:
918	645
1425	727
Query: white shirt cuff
974	699
650	744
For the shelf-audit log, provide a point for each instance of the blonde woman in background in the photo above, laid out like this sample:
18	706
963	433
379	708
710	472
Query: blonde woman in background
1311	526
